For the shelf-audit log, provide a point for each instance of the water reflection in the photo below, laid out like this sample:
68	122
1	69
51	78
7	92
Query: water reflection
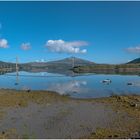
134	83
17	78
73	86
85	86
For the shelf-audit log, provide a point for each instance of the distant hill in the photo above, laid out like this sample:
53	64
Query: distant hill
59	66
6	64
1	62
135	61
73	64
64	62
69	61
4	67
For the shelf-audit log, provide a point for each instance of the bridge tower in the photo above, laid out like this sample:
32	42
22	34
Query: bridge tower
17	65
17	74
73	62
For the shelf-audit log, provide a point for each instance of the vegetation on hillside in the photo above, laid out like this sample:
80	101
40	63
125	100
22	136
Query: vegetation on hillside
105	68
135	61
73	64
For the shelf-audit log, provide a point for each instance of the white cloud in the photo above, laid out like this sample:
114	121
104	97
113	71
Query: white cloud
67	87
36	60
25	46
61	46
41	60
134	49
3	43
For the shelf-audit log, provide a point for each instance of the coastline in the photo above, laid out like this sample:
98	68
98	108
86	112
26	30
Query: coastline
109	117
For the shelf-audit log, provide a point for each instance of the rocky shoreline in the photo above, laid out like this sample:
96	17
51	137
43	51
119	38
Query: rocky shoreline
46	114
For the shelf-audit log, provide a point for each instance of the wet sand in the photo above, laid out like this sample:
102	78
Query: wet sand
44	114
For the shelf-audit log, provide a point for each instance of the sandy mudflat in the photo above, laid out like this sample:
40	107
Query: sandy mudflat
44	114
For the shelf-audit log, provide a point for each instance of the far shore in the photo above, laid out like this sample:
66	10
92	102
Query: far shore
123	69
46	114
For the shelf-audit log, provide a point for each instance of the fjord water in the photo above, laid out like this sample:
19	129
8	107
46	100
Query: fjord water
84	86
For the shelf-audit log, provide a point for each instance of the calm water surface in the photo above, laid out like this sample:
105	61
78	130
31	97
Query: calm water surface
85	86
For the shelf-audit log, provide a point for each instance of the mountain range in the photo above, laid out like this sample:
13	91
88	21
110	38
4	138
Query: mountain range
68	62
59	66
65	66
135	61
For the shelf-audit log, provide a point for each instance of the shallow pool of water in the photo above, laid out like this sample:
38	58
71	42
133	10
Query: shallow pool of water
85	86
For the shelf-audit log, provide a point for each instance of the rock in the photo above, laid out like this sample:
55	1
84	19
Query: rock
135	135
115	136
132	104
135	104
129	84
3	132
28	90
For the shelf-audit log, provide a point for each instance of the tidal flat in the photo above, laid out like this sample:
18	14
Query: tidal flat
46	114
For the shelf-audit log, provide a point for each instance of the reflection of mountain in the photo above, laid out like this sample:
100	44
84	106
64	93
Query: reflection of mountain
73	86
73	66
63	66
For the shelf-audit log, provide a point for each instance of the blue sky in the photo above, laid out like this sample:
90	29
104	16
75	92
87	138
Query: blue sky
103	32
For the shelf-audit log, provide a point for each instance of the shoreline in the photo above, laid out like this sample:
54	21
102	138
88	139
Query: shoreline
125	110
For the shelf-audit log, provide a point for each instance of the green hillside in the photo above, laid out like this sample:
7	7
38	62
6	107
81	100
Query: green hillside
64	64
135	61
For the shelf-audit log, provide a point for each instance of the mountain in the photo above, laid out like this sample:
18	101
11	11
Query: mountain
72	64
6	64
135	61
7	67
59	66
72	61
64	62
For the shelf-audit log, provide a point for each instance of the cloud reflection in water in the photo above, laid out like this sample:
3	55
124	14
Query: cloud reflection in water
73	86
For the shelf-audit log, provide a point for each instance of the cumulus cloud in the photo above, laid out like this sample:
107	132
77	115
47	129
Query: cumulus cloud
41	60
134	49
67	87
3	43
61	46
25	46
